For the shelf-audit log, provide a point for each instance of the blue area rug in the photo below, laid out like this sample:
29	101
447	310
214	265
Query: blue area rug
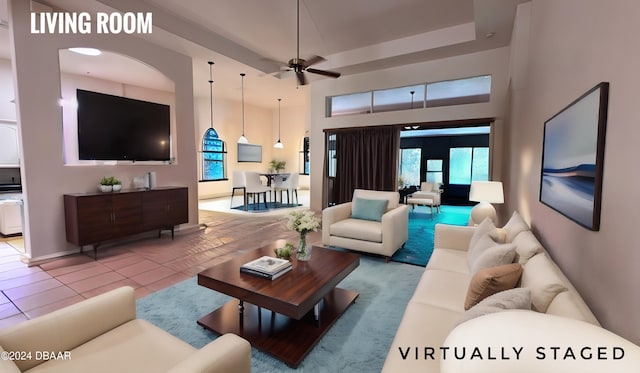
358	342
259	207
419	246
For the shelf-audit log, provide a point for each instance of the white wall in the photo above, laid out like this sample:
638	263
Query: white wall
564	49
261	127
493	62
37	87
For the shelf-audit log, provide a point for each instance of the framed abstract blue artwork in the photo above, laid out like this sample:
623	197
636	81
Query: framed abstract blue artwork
573	157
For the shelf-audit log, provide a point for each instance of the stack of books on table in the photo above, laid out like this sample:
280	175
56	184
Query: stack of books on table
267	267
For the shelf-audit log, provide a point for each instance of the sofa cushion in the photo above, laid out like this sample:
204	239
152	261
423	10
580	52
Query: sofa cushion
564	304
518	298
540	276
358	229
368	209
422	326
527	245
444	289
137	346
489	281
514	226
449	260
494	256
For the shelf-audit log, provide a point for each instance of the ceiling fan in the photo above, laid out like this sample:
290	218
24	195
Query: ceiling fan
300	66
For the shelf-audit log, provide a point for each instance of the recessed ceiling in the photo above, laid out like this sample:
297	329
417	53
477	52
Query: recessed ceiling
257	36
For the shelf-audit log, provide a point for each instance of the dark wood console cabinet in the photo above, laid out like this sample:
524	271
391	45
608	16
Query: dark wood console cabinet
96	217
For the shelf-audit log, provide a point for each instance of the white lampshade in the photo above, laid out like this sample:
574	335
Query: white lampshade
278	145
243	140
485	192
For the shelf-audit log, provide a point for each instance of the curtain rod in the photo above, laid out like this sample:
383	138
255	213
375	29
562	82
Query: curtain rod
438	124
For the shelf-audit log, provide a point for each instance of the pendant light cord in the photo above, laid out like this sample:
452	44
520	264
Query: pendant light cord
279	119
242	75
211	90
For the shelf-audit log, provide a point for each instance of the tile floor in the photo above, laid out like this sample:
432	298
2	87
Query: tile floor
147	264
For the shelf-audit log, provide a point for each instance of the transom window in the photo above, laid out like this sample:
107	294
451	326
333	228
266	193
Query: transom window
471	90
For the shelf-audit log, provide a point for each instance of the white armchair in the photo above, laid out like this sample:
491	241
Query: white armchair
345	226
431	191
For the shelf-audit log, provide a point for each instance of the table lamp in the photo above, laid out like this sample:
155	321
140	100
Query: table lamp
486	193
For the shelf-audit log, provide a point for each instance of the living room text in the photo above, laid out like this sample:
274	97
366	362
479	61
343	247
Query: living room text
82	23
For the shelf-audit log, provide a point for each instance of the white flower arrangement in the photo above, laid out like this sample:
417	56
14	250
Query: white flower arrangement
303	221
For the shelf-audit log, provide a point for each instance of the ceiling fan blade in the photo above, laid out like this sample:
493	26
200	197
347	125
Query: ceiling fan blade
301	78
333	74
313	60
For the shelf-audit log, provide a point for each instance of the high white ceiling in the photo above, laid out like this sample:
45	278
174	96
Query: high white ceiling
250	35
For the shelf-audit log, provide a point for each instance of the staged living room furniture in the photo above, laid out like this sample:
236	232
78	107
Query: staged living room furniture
91	218
287	316
102	334
366	225
547	310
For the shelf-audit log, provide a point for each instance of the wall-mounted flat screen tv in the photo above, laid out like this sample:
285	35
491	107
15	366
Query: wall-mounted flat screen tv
249	153
119	128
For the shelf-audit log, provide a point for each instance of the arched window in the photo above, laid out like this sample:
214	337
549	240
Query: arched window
214	157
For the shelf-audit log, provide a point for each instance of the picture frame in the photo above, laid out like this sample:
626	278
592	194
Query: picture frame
250	153
573	158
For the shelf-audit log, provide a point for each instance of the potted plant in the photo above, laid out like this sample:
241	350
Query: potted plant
108	184
277	166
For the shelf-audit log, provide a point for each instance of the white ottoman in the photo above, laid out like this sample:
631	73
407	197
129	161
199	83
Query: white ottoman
413	201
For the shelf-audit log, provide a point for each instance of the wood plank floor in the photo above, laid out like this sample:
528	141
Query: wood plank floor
148	264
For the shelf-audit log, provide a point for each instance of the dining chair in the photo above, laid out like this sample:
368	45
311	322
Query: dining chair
288	183
255	188
238	182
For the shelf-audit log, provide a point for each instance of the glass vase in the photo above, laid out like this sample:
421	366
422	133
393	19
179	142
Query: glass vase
304	251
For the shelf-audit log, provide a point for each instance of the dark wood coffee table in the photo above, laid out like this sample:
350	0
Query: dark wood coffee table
287	316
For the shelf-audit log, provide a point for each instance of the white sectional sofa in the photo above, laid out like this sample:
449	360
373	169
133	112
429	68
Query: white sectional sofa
554	315
102	334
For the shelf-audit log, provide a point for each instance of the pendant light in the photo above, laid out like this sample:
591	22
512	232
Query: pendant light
278	145
242	139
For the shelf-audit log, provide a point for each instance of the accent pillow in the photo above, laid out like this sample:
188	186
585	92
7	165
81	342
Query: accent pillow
541	277
494	256
514	226
481	245
527	245
489	281
368	209
485	228
518	298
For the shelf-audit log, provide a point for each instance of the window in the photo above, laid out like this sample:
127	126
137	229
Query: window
459	91
356	103
304	157
331	155
213	157
451	92
434	171
410	166
404	98
468	164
